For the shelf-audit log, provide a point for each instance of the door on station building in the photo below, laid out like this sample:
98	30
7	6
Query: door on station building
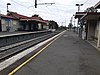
0	26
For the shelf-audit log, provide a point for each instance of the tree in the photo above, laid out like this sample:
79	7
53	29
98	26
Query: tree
53	25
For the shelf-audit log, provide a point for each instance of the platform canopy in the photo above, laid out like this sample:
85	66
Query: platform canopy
91	16
79	14
97	6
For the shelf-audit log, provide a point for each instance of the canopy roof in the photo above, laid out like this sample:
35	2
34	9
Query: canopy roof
79	14
97	5
91	16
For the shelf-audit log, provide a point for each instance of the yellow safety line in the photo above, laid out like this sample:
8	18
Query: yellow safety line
20	66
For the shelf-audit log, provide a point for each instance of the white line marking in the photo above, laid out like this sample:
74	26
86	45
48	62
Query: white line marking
13	59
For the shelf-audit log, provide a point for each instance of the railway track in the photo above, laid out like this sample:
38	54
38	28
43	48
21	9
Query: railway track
11	50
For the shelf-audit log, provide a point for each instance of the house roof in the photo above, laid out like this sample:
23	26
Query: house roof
46	21
34	19
97	5
5	16
26	18
79	14
16	15
91	16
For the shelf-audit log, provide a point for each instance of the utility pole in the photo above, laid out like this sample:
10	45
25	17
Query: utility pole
74	22
74	25
35	3
62	23
79	6
78	11
71	19
41	3
65	22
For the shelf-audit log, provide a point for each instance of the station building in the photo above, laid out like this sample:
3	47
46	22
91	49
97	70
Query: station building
91	21
17	22
8	23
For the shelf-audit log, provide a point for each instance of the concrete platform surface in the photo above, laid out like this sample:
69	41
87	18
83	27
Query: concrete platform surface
68	55
7	33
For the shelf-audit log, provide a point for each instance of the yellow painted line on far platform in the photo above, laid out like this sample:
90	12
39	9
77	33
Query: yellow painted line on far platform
24	63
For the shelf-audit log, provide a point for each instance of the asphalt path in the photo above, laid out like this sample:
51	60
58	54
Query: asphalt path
68	55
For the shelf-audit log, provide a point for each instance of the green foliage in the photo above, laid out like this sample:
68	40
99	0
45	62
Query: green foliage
53	25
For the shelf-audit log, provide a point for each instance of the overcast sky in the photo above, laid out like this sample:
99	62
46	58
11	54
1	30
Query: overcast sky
61	11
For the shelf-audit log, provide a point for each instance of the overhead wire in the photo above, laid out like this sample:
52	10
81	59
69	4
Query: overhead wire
52	12
32	6
60	14
49	11
1	4
21	5
44	12
89	0
47	8
85	2
18	3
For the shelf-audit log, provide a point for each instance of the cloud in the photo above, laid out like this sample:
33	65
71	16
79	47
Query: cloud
62	9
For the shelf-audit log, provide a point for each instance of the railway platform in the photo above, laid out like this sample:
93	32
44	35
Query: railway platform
8	33
65	55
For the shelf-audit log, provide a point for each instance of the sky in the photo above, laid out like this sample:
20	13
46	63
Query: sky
61	11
